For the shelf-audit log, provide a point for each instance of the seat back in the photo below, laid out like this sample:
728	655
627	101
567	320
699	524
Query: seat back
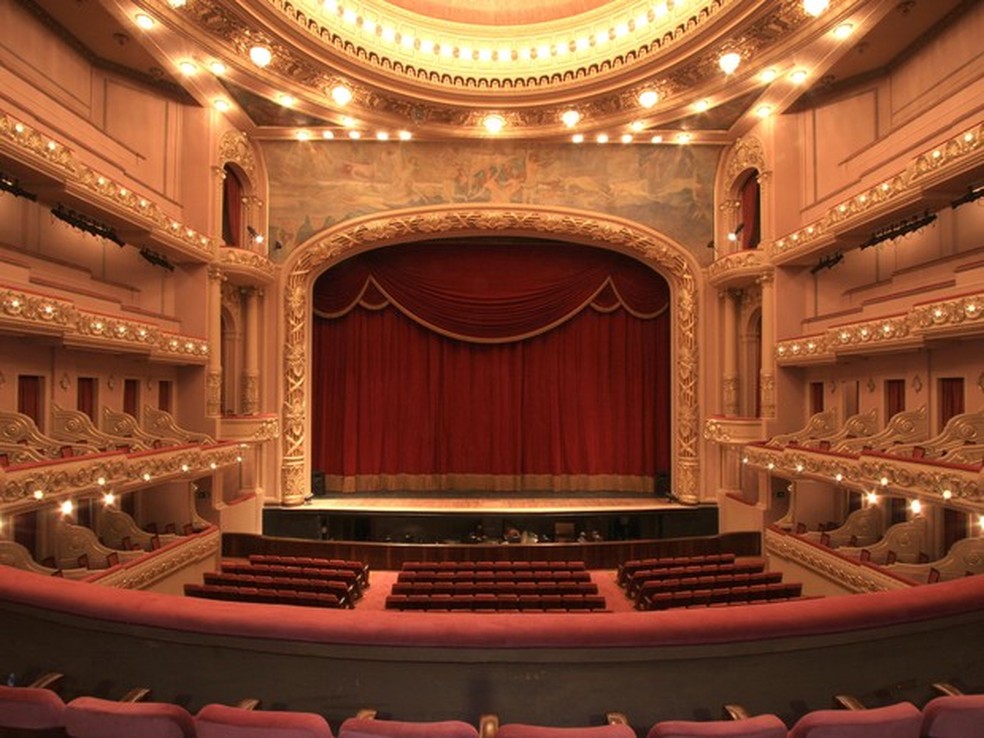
960	716
30	708
222	721
371	728
92	717
760	726
519	730
895	721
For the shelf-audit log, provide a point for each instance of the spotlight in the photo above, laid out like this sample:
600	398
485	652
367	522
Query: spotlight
12	185
828	262
974	193
86	224
257	237
903	228
156	259
277	245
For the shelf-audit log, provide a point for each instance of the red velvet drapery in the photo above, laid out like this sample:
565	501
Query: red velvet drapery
751	218
508	365
232	208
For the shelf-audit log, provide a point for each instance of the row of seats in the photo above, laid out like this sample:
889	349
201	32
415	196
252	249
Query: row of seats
41	710
638	579
311	573
740	595
627	568
549	587
537	575
485	602
454	566
270	596
329	586
358	568
709	581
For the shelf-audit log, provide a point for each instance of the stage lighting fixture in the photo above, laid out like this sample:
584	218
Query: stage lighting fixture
974	193
253	234
12	185
902	228
156	259
828	262
86	224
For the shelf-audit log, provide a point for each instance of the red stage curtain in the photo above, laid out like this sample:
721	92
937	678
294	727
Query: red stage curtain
951	401
894	397
751	219
29	398
131	397
86	400
559	364
232	208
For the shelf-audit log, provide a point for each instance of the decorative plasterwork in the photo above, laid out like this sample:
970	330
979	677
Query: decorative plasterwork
243	263
747	153
839	569
308	261
118	472
40	314
156	565
956	316
251	428
235	148
956	154
732	431
737	268
53	158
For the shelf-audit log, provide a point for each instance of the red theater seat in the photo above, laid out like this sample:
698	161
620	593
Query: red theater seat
958	716
30	708
760	726
895	721
372	728
222	721
91	717
520	730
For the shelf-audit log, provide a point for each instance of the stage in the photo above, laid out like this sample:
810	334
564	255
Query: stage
473	518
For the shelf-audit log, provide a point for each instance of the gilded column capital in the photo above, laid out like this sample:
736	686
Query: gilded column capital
215	274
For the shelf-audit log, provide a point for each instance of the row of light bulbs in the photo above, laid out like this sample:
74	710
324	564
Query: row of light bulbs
494	123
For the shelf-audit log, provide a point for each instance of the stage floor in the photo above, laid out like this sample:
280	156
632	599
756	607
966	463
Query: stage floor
488	505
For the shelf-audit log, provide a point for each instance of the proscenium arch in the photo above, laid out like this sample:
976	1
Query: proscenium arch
323	250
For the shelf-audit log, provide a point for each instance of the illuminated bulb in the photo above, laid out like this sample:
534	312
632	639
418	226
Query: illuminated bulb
494	123
582	43
872	498
348	122
287	100
354	135
101	481
763	111
770	466
883	481
648	98
732	236
261	56
303	135
39	494
239	459
768	75
916	507
684	138
426	45
626	138
404	135
542	51
109	498
350	16
327	135
839	477
702	106
729	62
798	76
947	494
602	138
744	459
815	7
52	146
980	521
601	38
144	21
213	466
184	467
382	136
485	55
146	476
66	507
388	34
660	9
341	94
578	138
221	105
656	139
843	31
187	67
636	126
570	118
177	3
217	68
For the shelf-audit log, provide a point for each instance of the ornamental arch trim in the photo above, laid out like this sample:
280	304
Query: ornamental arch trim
327	248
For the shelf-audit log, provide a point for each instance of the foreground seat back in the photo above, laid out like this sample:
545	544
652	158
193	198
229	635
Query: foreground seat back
519	730
371	728
895	721
760	726
92	717
222	721
960	716
30	709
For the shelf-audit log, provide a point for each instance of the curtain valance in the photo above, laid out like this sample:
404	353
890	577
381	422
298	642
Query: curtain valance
491	292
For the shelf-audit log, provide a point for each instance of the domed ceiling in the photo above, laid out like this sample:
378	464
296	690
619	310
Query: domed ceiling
629	70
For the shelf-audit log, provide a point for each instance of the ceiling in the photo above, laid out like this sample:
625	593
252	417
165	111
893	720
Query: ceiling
436	69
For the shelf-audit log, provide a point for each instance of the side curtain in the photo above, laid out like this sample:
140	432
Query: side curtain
507	365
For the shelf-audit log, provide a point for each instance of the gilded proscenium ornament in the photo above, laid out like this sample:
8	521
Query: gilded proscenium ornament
364	233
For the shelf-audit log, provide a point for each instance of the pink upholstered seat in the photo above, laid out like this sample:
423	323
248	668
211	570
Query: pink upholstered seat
960	716
895	721
519	730
91	717
760	726
222	721
372	728
30	708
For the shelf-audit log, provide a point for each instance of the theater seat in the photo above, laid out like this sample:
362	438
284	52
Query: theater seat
91	717
222	721
760	726
30	708
895	721
359	727
519	730
960	716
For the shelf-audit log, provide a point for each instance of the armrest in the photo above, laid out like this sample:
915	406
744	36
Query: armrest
250	703
51	680
736	712
848	702
488	726
137	694
616	718
947	690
